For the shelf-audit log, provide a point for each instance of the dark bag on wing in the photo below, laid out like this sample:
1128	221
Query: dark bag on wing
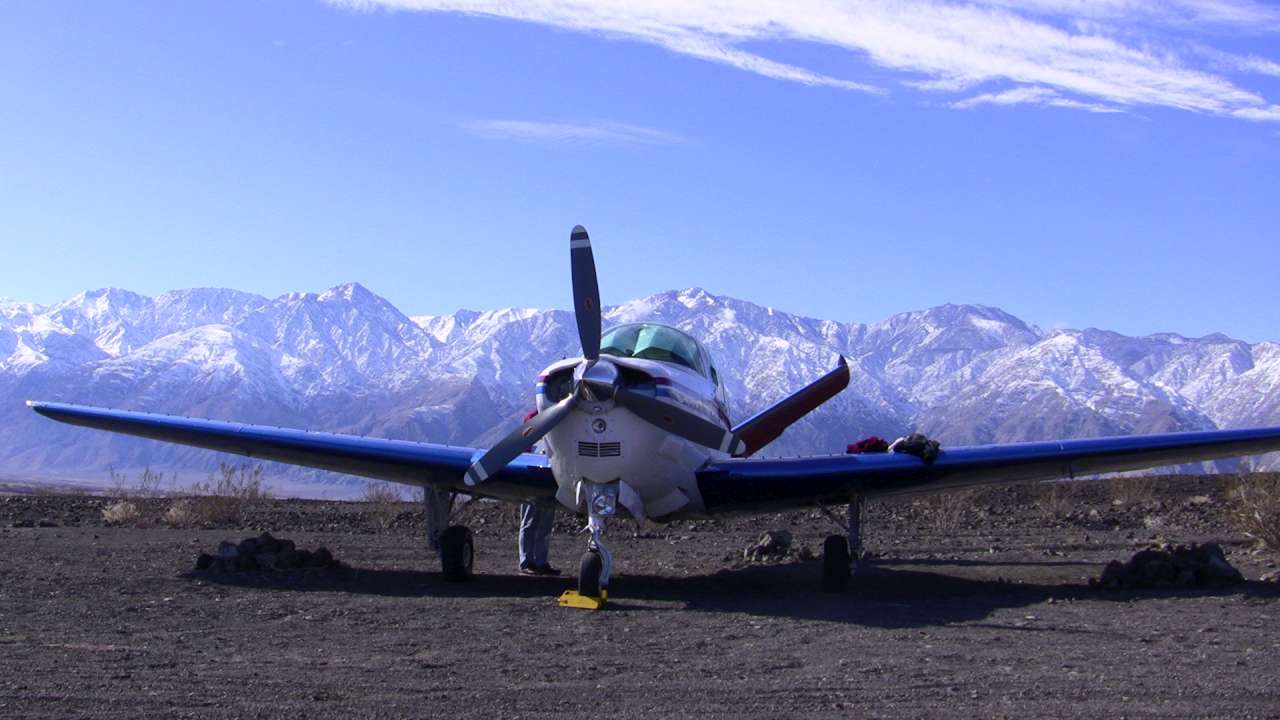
919	445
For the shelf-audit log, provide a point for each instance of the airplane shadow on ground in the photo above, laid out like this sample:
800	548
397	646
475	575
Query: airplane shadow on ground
882	596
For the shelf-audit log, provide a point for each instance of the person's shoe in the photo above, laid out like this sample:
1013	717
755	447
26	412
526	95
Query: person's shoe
546	569
527	569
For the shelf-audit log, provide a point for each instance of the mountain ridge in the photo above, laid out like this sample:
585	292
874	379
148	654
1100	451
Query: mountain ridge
347	360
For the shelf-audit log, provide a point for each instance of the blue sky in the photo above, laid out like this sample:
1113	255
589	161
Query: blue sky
1112	164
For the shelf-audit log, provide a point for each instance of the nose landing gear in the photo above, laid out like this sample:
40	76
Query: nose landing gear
597	562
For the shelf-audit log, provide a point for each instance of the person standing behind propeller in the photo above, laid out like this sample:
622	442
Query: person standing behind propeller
536	521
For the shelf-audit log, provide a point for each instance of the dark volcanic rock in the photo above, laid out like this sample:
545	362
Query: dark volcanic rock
263	553
322	558
773	545
1170	566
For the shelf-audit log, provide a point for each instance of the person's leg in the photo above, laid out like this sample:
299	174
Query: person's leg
528	543
546	520
437	504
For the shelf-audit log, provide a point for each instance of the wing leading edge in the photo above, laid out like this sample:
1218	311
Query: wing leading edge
527	477
744	485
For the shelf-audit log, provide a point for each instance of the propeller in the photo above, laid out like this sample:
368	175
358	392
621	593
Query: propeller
586	292
510	447
597	380
592	379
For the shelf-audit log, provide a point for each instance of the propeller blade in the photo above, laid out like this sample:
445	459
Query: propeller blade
510	447
679	421
586	292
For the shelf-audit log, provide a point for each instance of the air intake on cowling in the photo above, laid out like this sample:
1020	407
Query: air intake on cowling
598	450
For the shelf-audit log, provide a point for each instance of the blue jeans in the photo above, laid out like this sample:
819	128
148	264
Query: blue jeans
535	533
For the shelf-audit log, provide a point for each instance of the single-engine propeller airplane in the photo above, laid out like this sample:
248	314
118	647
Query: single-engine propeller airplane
638	426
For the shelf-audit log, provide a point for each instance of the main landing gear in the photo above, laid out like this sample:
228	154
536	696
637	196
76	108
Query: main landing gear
841	553
457	553
454	542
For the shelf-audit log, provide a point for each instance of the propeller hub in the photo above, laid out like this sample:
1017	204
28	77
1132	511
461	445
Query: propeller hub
597	380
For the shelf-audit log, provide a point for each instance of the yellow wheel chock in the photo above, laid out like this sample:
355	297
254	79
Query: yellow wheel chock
571	598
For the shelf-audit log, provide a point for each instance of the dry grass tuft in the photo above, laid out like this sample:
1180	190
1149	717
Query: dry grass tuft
182	513
1054	499
227	495
383	504
1254	503
948	509
1132	489
121	512
149	484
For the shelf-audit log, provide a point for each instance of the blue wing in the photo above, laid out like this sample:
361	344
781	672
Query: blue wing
527	477
744	485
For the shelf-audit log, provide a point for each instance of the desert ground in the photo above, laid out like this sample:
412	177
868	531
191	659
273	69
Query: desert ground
972	605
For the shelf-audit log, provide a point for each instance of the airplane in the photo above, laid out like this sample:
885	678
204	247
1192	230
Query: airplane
639	427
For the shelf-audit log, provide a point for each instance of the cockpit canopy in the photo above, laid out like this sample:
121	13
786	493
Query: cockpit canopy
651	341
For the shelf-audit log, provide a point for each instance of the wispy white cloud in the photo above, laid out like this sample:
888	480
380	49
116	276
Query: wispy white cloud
599	132
1031	95
1243	15
1092	54
1271	113
1231	62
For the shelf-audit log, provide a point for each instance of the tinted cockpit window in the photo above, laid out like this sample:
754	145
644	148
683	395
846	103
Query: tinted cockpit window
649	341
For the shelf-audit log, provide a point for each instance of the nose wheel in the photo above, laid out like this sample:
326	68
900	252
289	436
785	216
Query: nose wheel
589	570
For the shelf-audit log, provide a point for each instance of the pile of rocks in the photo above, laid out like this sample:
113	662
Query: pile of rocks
29	521
263	552
773	545
1170	566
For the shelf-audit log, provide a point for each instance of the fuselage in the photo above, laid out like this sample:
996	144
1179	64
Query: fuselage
601	442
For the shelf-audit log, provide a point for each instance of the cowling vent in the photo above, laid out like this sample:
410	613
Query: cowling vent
599	450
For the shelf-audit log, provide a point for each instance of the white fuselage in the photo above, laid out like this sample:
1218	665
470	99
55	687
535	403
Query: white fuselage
601	442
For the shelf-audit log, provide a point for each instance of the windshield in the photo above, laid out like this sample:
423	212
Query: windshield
653	342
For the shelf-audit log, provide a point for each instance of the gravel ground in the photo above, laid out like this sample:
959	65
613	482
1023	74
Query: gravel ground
976	606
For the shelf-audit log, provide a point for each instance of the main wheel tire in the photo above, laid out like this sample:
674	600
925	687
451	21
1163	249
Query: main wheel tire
589	570
457	553
835	563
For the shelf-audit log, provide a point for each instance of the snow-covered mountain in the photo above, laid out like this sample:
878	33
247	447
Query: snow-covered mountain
349	361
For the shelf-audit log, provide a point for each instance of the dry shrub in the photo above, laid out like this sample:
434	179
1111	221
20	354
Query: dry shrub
948	509
227	495
382	504
1254	503
1053	499
182	513
1132	489
149	484
121	512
